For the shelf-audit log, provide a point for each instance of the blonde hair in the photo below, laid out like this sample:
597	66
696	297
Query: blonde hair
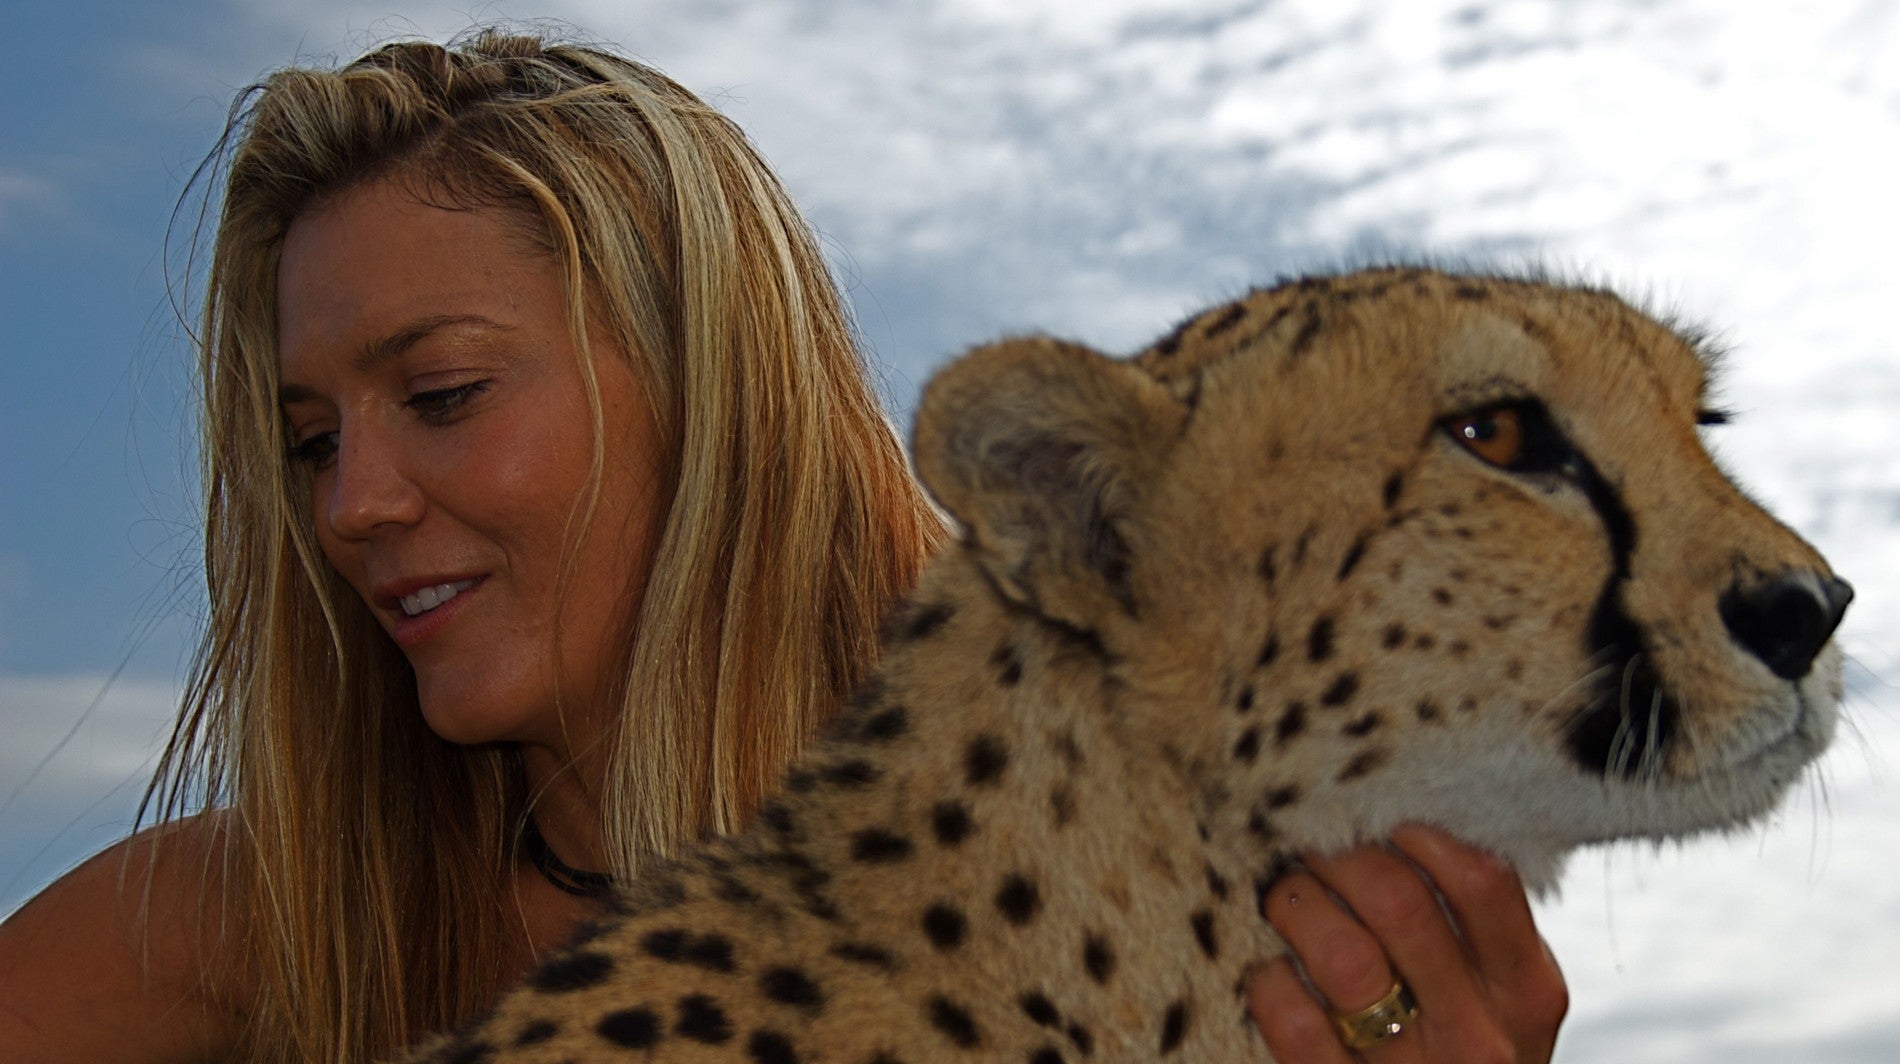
368	856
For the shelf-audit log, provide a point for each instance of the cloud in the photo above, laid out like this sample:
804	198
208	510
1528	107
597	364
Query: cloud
77	754
23	194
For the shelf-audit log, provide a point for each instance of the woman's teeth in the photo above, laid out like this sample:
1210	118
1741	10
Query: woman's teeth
430	597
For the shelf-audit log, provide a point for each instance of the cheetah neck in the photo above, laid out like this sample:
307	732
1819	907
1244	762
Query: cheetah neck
1018	838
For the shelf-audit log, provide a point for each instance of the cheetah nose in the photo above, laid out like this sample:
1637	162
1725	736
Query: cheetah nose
1786	621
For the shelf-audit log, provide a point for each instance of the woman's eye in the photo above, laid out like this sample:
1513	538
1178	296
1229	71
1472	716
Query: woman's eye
439	403
1495	434
315	451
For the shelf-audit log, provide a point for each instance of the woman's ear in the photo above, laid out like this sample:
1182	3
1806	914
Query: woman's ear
1042	450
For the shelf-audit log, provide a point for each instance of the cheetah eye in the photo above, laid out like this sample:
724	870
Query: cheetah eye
1495	435
1515	436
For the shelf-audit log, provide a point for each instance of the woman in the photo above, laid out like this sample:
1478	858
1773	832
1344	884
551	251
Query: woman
548	512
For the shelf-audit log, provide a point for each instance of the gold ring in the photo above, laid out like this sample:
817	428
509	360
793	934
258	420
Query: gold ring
1380	1022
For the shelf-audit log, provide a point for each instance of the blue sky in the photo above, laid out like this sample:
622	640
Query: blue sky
92	395
1095	169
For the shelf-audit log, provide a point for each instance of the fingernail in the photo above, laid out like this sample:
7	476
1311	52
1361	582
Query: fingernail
1282	864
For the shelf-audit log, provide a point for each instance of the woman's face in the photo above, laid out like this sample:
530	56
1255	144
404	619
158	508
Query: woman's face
431	384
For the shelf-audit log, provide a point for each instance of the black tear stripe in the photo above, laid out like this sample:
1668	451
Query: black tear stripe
1632	720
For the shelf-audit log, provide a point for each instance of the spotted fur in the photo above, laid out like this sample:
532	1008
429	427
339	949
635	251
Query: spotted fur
1245	595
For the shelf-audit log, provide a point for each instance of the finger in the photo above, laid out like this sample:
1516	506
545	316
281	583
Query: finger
1400	909
1291	1020
1341	958
1484	895
1487	900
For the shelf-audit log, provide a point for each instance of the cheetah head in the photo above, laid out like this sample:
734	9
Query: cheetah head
1405	546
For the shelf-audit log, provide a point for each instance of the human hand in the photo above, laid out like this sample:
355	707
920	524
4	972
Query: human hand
1486	986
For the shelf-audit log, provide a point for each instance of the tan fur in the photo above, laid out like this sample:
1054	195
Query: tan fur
1242	597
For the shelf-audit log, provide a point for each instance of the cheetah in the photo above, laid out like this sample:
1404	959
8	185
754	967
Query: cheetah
1351	551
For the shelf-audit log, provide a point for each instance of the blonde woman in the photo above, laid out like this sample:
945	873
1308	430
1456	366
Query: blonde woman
548	511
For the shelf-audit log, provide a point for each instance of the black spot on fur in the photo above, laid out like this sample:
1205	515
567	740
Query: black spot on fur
1361	764
1040	1009
1062	804
1427	711
1394	487
852	774
954	1022
1470	292
789	986
1018	899
1354	554
1268	651
1203	923
878	846
732	889
1309	331
1264	884
571	972
711	952
1066	748
1292	723
1229	317
1393	637
945	926
702	1020
923	621
476	1052
1174	1025
885	725
1281	797
1269	567
1080	1037
1245	704
984	760
537	1032
630	1028
1216	883
1364	726
775	816
1342	689
1098	957
1009	666
770	1047
1247	747
1319	641
865	954
951	822
1046	1055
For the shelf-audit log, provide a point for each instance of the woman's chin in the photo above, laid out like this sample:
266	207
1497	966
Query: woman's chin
469	721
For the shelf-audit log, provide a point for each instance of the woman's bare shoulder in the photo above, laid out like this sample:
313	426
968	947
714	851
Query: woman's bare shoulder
129	957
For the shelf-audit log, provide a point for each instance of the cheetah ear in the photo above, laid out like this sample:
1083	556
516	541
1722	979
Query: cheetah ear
1040	449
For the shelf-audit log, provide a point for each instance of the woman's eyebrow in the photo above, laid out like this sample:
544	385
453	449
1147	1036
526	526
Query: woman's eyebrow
384	349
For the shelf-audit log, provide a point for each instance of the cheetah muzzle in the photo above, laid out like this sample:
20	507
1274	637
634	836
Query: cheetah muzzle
1388	547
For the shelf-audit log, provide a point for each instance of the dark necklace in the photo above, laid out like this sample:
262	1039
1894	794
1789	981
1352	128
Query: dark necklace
581	884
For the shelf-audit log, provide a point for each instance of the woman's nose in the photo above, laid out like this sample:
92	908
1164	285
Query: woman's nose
371	492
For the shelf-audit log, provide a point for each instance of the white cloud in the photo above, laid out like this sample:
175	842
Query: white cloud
77	755
1771	946
23	193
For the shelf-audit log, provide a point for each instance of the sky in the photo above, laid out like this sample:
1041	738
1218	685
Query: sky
1096	170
